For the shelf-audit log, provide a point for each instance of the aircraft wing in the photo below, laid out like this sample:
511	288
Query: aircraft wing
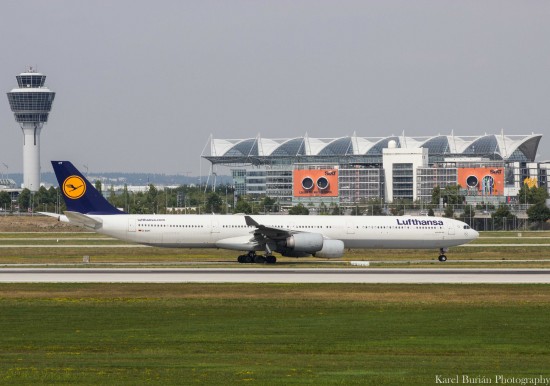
263	233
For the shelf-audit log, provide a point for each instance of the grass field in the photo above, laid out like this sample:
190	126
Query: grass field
270	334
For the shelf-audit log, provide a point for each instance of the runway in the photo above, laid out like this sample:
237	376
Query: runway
273	275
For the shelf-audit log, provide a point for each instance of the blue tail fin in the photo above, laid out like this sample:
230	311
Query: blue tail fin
79	195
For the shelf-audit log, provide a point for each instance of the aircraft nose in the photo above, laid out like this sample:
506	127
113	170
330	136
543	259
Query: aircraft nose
475	234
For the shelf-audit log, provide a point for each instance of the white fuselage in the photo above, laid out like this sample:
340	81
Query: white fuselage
231	231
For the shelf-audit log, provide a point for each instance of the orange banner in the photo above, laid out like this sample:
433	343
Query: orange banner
316	182
484	181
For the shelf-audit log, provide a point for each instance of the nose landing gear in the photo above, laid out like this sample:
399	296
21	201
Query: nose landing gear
442	256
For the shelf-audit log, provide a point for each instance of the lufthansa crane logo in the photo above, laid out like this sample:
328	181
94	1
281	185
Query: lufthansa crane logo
74	187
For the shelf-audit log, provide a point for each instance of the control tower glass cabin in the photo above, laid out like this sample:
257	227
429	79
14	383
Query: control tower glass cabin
31	103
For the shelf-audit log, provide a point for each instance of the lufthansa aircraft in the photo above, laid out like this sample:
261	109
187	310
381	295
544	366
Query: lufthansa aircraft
293	236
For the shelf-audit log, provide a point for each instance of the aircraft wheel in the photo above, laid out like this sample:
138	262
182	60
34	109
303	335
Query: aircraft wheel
240	259
259	259
271	259
442	258
248	259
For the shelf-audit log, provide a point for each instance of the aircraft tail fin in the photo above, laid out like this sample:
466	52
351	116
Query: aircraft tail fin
80	196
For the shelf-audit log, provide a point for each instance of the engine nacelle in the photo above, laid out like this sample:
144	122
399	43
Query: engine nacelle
305	242
331	249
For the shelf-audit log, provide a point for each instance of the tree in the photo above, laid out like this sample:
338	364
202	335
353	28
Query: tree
436	195
269	204
431	212
214	203
298	210
538	213
449	212
98	185
41	197
242	206
357	211
532	195
24	200
125	198
451	195
374	207
468	215
501	216
54	199
151	199
335	210
5	200
112	194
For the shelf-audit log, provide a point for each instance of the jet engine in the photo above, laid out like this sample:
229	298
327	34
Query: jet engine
305	242
331	249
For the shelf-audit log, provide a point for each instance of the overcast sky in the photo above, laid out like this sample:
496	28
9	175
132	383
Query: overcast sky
141	85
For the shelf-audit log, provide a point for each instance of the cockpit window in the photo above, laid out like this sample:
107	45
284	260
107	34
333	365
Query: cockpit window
466	227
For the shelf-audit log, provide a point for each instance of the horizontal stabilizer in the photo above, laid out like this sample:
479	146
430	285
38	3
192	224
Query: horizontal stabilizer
57	216
83	220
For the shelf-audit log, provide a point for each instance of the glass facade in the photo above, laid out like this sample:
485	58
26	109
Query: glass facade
377	148
31	117
487	145
31	100
429	178
255	182
340	146
239	181
31	106
357	183
403	181
279	184
437	145
31	80
290	148
243	148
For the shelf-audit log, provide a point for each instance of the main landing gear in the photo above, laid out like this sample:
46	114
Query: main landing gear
442	256
252	257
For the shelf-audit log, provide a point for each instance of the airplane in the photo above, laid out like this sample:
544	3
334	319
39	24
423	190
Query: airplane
291	236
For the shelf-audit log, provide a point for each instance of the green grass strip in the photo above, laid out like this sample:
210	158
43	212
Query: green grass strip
270	334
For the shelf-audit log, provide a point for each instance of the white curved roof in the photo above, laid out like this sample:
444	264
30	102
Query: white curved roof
506	147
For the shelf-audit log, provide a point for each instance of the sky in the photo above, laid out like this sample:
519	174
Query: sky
141	85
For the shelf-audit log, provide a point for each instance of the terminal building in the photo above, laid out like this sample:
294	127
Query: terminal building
350	170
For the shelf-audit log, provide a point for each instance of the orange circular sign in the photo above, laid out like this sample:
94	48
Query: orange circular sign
74	187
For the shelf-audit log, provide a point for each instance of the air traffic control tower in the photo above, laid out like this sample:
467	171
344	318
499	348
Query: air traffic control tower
31	103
